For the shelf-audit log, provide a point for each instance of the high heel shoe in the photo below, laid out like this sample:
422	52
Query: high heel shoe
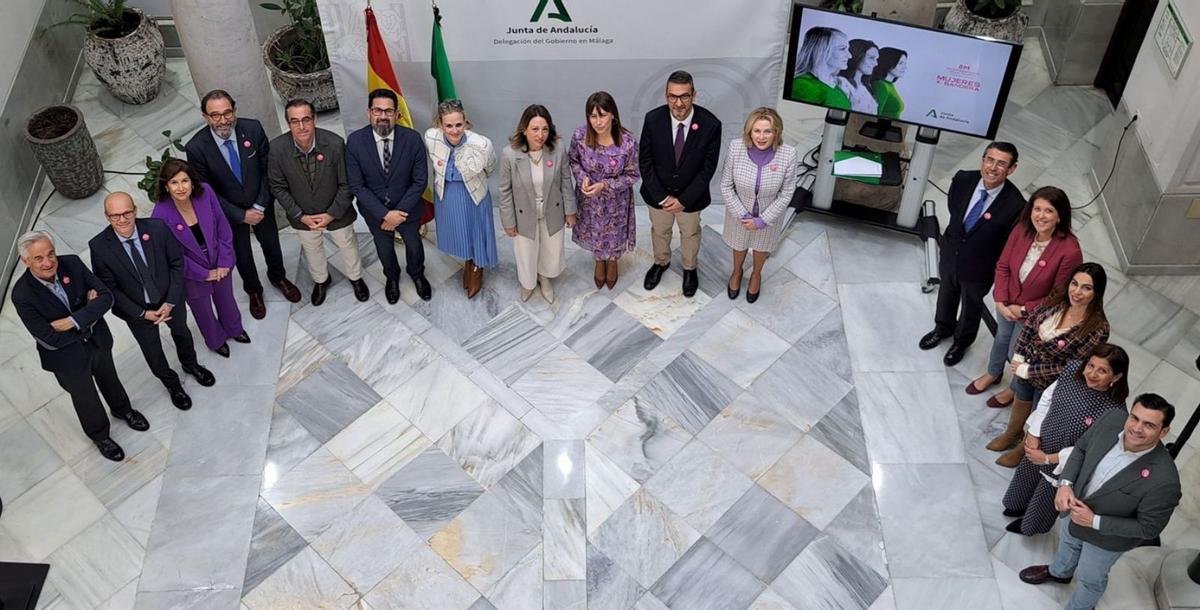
599	274
610	274
223	351
753	296
734	292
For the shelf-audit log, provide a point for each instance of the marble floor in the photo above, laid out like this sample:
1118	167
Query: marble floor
617	449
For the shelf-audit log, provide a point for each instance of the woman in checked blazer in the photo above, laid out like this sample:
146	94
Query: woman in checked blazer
758	181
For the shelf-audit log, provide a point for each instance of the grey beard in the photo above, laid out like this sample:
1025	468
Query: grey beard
381	131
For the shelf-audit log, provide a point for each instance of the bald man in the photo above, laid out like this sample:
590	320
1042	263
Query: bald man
142	264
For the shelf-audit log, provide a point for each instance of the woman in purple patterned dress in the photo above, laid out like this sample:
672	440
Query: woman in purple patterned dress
603	158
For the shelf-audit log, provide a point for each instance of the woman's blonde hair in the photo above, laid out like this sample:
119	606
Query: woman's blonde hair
450	107
759	114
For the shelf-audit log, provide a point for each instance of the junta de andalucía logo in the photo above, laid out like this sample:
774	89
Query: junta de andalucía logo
560	12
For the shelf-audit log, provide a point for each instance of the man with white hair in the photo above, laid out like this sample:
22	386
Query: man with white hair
62	304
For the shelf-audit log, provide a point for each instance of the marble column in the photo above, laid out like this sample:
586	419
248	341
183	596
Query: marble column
223	52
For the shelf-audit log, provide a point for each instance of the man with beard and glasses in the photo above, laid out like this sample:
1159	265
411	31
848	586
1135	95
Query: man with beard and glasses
385	163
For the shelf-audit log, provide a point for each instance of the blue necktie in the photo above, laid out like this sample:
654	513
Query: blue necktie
235	162
61	293
976	212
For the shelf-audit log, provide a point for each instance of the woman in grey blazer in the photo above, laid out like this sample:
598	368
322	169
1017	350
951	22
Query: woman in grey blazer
537	198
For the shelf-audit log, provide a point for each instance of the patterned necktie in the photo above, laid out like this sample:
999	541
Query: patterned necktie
387	154
61	293
976	211
235	162
678	143
143	271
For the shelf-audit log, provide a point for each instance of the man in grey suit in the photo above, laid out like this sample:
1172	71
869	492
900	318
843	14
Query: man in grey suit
306	169
1118	488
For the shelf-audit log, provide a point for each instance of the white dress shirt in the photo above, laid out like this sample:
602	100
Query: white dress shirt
225	154
991	198
391	138
687	125
1113	462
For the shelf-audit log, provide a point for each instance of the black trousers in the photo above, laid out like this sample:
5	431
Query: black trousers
959	304
267	234
414	250
148	339
97	370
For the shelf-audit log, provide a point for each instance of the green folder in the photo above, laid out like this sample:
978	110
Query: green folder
842	155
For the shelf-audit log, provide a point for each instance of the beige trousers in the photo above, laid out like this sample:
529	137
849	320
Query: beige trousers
541	256
661	228
313	244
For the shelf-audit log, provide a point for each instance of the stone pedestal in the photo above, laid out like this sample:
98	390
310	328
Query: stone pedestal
1174	590
223	52
1074	37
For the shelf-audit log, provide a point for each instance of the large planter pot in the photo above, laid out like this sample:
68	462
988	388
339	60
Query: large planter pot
316	87
62	145
130	66
1010	28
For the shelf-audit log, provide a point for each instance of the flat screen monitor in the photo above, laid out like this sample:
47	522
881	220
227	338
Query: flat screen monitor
898	71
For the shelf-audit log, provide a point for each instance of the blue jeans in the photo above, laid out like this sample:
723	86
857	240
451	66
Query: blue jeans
1087	563
1003	345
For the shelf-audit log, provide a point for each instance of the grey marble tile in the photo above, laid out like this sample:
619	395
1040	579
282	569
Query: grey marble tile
329	400
423	580
288	444
430	491
739	347
824	575
201	533
663	310
644	538
804	399
903	490
649	602
749	435
96	564
608	586
388	355
761	534
315	493
51	513
1016	594
705	577
522	486
857	529
272	543
875	346
814	481
437	398
714	263
842	431
563	469
362	545
26	386
227	437
689	391
451	311
495	387
638	439
863	255
302	356
1039	140
1074	109
565	594
482	604
521	587
1182	356
989	488
378	444
126	597
305	581
563	388
169	110
789	306
112	482
698	485
489	538
488	443
575	314
25	459
563	539
980	593
607	487
896	434
770	600
1148	318
136	512
814	265
510	344
612	342
196	599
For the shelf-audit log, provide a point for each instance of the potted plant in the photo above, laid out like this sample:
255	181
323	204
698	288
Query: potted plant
149	182
1000	19
845	6
62	145
297	58
123	48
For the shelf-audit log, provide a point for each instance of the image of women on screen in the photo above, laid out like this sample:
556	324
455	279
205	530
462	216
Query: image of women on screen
823	55
891	66
864	56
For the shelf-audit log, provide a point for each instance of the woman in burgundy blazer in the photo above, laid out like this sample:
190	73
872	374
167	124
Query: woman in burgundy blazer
1024	277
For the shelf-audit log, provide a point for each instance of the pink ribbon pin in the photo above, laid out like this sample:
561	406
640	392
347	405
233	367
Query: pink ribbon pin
179	227
549	163
66	280
1145	473
145	237
1087	421
1041	263
439	162
987	215
1061	343
695	126
612	162
774	167
320	157
246	144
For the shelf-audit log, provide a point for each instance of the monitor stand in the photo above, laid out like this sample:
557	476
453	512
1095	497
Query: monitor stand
881	129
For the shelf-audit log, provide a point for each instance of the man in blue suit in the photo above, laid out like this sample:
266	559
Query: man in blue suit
385	163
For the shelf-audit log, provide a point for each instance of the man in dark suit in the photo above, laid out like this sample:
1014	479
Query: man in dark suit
385	163
142	264
1118	488
231	157
677	156
62	305
307	170
984	206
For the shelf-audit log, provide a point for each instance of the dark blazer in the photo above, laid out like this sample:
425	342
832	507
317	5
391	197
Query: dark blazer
218	236
38	307
291	188
400	188
1136	503
1061	256
974	254
689	181
235	197
164	257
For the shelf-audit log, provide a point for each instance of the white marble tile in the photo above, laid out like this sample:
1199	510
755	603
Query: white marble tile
437	398
563	539
638	440
364	545
488	443
1178	388
288	444
564	474
315	493
201	599
644	537
226	437
25	458
884	322
96	564
690	391
305	581
136	512
123	599
377	444
510	344
495	387
917	593
663	310
329	400
804	399
302	356
824	575
761	534
608	586
863	255
521	588
1015	594
607	487
563	387
814	481
1097	244
750	435
698	485
739	347
706	578
26	386
488	539
51	513
814	265
896	432
857	529
272	543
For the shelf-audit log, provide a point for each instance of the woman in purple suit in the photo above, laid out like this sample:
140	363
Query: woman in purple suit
191	211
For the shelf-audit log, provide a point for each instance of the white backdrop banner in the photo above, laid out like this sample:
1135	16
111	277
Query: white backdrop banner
507	54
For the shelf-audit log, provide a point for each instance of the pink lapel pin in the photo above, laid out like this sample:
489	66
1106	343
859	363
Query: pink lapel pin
612	162
1041	263
987	215
1061	343
66	279
320	157
1087	421
439	162
1145	473
179	227
549	162
774	167
145	237
695	126
246	144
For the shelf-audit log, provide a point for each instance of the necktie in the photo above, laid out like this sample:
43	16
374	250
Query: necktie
235	162
678	143
975	212
61	293
387	154
143	271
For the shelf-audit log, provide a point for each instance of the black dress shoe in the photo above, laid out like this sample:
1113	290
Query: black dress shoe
391	290
136	420
1014	513
258	307
242	338
223	351
289	290
424	290
320	290
931	339
202	375
691	281
1036	575
179	397
955	354
110	449
752	296
361	292
653	276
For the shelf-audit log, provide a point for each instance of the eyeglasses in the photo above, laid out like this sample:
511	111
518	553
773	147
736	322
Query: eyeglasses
301	121
121	215
996	162
686	97
216	116
383	111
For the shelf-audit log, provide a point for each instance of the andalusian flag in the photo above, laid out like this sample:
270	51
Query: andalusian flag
439	64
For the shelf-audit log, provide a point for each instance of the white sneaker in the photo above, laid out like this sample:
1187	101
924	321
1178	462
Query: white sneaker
547	288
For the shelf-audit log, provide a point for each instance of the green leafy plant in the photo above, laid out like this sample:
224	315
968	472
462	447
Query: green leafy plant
104	18
845	6
149	182
994	9
302	50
